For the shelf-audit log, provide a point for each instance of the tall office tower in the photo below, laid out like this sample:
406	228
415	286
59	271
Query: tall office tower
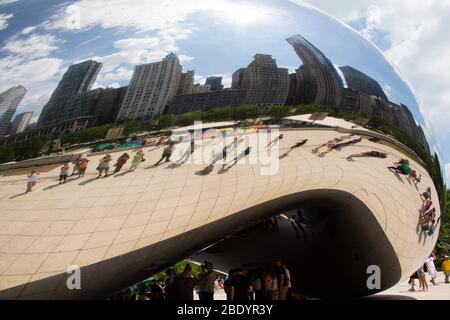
318	81
152	88
9	101
215	83
356	80
77	80
237	79
186	82
21	122
266	84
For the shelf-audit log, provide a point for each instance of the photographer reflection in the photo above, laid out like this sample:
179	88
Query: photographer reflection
207	280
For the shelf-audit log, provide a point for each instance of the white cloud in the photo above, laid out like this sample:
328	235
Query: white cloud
35	46
417	31
4	20
29	30
7	1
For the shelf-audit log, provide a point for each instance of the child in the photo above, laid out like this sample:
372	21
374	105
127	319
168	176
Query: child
32	180
63	173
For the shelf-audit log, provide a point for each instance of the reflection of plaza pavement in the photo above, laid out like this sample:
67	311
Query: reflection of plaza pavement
99	224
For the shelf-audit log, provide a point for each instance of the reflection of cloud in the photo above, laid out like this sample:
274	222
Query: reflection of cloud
387	89
4	20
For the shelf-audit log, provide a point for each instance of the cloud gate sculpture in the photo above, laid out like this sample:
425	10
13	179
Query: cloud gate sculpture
352	163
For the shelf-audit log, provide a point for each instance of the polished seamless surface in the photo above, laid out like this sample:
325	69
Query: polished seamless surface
124	228
115	228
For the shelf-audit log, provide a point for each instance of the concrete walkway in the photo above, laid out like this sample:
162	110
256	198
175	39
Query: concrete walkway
400	291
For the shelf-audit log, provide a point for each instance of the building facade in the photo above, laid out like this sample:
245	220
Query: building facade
215	83
108	105
265	83
199	88
9	101
318	81
236	81
207	100
76	82
359	81
186	82
152	87
21	122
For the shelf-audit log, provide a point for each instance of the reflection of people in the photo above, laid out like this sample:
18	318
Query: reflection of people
82	167
206	284
64	171
275	141
32	180
295	146
167	153
401	167
103	165
123	159
138	158
370	154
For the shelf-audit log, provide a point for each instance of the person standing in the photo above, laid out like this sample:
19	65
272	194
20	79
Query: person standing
257	287
63	173
32	180
170	289
282	280
123	159
76	165
185	284
287	273
270	285
423	285
103	166
240	286
82	167
446	268
138	158
167	153
431	268
206	283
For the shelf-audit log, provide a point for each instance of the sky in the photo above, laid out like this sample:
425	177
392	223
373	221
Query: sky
40	39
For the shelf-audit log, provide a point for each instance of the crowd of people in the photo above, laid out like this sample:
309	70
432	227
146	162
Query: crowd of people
429	267
266	284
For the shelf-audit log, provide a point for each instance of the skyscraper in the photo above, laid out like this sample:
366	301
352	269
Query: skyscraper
317	79
9	101
77	80
237	78
186	82
266	84
356	80
215	83
152	87
21	122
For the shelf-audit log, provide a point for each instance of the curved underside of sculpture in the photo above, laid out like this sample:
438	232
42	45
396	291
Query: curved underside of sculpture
121	229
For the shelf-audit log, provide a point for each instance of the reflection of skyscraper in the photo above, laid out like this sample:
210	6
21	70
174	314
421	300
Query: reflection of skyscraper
356	80
77	80
266	84
237	79
317	79
21	122
215	83
9	100
186	82
152	88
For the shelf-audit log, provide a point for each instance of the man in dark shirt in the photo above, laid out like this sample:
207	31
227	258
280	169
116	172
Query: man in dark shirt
240	286
185	284
281	277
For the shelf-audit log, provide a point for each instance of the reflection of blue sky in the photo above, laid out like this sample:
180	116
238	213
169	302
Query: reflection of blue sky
220	44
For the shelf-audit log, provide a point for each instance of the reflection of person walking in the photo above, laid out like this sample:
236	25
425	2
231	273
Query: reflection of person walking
63	173
138	158
103	166
82	167
167	153
123	159
32	180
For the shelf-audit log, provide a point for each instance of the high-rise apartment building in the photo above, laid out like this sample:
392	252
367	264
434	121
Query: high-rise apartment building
152	88
318	81
359	81
9	101
266	84
237	78
201	88
21	122
186	82
77	81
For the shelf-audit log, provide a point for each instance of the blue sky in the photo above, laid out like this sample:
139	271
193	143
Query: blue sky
40	39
